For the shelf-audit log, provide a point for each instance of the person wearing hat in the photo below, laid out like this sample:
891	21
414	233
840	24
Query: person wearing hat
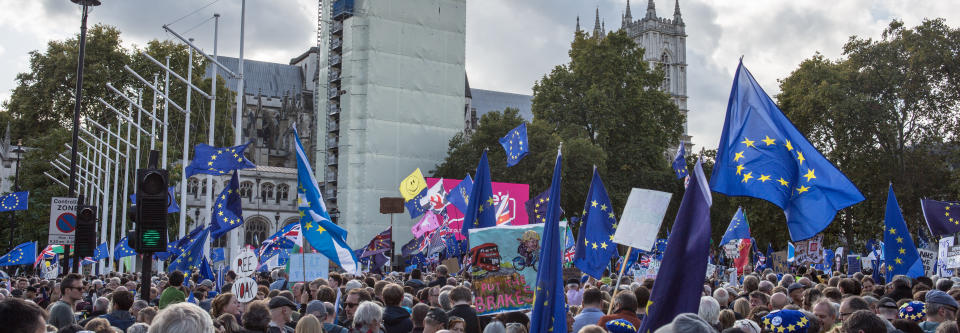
940	307
620	326
887	309
786	321
281	310
795	291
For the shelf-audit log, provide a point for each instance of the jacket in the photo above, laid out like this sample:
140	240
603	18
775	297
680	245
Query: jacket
469	316
121	319
171	295
622	314
397	320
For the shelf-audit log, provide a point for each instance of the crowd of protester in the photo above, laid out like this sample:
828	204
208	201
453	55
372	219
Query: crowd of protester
759	302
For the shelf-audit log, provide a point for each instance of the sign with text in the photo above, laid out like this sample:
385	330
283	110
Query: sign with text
942	250
245	289
929	259
853	264
63	220
308	267
246	262
953	257
778	261
809	251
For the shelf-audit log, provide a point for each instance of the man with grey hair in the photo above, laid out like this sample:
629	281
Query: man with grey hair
686	323
100	307
766	287
183	317
826	312
787	280
722	297
444	300
352	284
368	317
709	311
944	284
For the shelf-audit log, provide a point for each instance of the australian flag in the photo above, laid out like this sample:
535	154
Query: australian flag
943	217
680	162
516	145
549	301
762	155
217	160
595	244
14	201
227	213
684	264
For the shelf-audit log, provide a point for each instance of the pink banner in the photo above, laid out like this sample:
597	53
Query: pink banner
512	195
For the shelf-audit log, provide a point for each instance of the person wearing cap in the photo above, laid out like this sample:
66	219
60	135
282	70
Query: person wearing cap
887	309
795	291
940	307
281	310
435	320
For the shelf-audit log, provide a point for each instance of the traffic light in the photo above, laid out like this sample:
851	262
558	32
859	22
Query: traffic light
151	211
85	239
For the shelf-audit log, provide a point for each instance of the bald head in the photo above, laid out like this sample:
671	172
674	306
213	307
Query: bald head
778	301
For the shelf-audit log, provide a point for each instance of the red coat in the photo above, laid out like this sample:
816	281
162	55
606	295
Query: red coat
622	314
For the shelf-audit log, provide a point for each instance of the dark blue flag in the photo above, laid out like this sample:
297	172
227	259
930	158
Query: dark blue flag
192	254
681	275
123	249
537	207
459	194
206	271
172	206
217	160
899	253
411	247
762	155
481	211
738	229
516	145
680	162
413	205
549	301
14	201
217	254
23	254
595	244
943	217
101	252
380	243
227	213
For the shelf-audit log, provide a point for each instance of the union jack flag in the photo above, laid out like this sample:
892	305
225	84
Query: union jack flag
47	253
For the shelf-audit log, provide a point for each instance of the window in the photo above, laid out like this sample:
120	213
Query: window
246	189
266	192
192	185
283	191
665	61
255	230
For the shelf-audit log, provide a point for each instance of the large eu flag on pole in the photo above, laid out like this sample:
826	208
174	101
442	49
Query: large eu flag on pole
123	249
212	160
481	211
680	162
192	254
227	213
943	217
23	254
595	244
515	144
762	155
684	265
549	301
899	253
101	252
14	201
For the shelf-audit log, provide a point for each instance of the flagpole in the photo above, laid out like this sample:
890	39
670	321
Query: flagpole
623	267
186	149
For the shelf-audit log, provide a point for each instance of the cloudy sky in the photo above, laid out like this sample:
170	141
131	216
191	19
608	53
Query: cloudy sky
510	44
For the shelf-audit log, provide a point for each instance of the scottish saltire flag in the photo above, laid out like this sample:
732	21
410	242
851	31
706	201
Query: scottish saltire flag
14	201
738	229
791	252
217	160
515	144
172	206
899	253
481	211
123	249
100	252
315	225
680	162
460	194
595	244
943	217
684	266
192	254
380	243
23	254
227	213
763	155
549	300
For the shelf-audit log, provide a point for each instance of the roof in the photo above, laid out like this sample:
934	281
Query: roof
304	55
267	78
488	100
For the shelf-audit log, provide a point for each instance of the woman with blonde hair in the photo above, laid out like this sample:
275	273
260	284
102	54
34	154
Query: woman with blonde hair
309	324
225	303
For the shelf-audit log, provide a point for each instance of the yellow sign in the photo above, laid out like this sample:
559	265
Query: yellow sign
412	185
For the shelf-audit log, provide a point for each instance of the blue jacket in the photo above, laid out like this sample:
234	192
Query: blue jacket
121	319
586	317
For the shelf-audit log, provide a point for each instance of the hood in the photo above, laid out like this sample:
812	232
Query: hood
394	314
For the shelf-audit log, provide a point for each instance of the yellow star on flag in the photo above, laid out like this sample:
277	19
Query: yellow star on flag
747	142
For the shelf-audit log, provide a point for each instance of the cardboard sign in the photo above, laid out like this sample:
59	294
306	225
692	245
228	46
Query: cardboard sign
953	257
308	267
246	262
942	251
778	261
929	259
642	214
245	289
63	220
809	251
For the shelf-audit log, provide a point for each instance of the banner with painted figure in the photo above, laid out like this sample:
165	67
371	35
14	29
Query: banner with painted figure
809	250
503	263
507	197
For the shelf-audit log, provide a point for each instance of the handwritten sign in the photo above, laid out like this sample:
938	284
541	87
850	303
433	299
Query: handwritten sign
245	289
929	259
953	257
246	262
308	267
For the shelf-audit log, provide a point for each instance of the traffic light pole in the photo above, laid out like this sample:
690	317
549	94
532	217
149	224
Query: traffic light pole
146	265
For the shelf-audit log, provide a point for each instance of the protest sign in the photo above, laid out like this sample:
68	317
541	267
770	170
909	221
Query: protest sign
953	257
643	212
307	267
942	250
778	261
853	264
929	259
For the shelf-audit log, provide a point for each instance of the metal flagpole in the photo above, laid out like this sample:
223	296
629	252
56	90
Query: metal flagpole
166	108
103	207
186	151
126	180
207	202
116	182
235	234
153	122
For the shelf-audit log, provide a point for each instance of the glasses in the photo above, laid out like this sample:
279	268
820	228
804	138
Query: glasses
350	305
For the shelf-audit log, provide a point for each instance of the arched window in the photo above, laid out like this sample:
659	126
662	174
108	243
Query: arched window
266	192
255	230
246	189
203	187
192	185
665	61
283	191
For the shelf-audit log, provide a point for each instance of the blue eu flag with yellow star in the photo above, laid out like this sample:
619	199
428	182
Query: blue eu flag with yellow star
23	254
123	249
14	201
515	144
212	160
943	217
481	212
762	155
595	244
100	252
680	162
738	229
899	253
192	254
549	301
227	213
460	194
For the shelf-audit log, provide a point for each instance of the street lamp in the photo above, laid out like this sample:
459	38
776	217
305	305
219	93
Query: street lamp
16	188
276	219
196	216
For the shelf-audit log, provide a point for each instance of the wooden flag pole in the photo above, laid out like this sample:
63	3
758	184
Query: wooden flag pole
623	267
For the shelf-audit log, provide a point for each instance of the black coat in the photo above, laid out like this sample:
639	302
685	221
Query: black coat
469	316
397	320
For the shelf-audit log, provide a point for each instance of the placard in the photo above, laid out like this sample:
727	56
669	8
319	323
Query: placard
642	216
778	261
246	262
245	289
929	259
809	251
953	257
317	266
63	220
853	264
942	250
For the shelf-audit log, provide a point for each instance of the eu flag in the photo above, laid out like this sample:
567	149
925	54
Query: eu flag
516	145
943	217
14	201
595	244
413	205
315	224
23	254
460	194
206	272
192	254
537	207
410	248
680	162
762	155
227	213
684	266
738	229
217	160
899	253
123	249
549	301
481	212
100	252
172	206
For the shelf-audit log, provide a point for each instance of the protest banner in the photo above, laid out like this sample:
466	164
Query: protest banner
953	257
809	251
643	212
514	194
942	251
778	260
504	263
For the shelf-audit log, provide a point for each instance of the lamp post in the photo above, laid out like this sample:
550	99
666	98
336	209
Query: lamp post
76	104
16	188
276	220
